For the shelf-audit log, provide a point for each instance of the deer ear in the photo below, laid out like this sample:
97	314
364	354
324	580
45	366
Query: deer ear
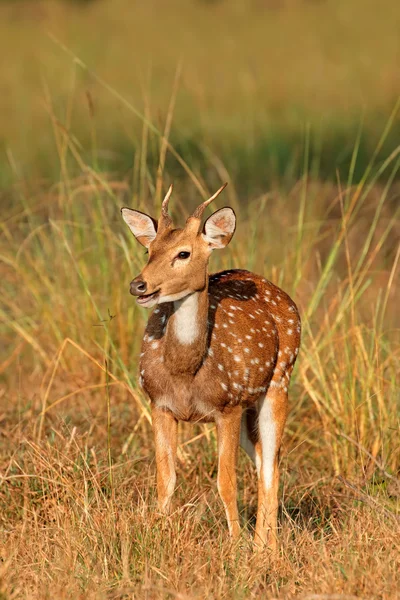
143	227
219	228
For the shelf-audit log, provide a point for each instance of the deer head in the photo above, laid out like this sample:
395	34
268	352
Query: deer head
178	258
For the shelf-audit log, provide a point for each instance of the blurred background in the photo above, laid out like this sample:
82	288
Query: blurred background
249	79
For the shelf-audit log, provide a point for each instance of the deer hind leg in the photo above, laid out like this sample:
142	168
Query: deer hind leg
249	438
165	436
228	432
271	422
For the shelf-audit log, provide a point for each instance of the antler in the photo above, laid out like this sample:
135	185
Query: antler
165	219
198	213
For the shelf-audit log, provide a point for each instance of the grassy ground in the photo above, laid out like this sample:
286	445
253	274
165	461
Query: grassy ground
77	491
77	476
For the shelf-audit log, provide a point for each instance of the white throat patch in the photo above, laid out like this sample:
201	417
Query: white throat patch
186	326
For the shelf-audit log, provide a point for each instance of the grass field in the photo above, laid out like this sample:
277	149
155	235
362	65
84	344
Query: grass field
251	77
78	515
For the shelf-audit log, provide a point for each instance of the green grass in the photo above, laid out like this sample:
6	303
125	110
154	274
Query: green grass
250	77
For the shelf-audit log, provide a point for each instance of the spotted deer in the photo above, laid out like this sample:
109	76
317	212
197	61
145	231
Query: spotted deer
217	348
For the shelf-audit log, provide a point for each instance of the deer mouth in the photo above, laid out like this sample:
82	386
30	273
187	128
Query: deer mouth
147	298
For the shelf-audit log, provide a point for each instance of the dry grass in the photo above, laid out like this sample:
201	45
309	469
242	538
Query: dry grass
69	532
77	491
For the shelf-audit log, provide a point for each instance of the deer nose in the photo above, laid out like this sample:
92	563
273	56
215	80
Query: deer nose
138	287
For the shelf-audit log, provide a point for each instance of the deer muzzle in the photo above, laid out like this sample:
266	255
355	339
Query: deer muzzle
138	287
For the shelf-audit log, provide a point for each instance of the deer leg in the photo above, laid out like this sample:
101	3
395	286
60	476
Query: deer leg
228	432
165	436
271	421
249	436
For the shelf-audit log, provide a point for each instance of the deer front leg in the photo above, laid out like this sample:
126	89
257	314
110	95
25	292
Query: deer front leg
165	437
228	432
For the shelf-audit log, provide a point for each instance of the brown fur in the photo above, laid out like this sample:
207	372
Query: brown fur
239	319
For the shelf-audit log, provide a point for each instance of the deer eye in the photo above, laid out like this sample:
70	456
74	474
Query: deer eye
183	255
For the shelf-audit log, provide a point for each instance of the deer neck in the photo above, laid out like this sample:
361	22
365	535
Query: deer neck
186	335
